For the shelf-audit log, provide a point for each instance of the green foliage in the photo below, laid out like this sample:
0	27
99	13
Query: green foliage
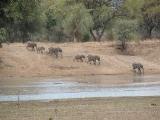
110	34
133	8
86	37
151	17
102	13
146	12
3	34
31	17
77	20
73	17
58	20
23	18
51	21
125	29
151	7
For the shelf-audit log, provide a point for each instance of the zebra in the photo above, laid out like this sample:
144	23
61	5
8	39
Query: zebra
40	49
31	45
94	59
55	51
79	58
60	51
139	67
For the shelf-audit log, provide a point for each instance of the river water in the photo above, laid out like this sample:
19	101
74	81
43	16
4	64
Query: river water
53	89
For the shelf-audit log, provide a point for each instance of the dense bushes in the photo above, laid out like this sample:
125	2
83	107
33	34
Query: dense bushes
78	20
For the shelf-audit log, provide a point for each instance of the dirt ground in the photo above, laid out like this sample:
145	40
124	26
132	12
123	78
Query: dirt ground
141	108
19	65
17	61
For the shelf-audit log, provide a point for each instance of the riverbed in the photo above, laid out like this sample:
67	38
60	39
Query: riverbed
83	87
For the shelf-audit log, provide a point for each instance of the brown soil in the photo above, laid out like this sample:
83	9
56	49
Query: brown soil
17	61
141	108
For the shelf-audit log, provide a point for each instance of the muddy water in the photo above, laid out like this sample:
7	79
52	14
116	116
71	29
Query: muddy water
84	87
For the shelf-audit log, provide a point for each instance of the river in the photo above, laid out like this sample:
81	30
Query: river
54	89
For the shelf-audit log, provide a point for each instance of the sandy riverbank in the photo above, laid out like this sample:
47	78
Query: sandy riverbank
140	108
17	61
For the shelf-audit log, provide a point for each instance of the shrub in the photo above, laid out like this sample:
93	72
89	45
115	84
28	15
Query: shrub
86	37
3	35
125	30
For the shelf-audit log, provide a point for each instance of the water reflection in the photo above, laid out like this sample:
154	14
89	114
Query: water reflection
94	86
101	92
138	78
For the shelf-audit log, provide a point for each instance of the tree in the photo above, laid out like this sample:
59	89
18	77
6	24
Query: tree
3	8
125	30
77	22
3	36
31	18
55	16
73	17
151	16
20	18
132	9
102	12
146	12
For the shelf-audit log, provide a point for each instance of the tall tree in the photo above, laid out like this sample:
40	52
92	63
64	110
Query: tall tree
31	17
78	21
151	16
102	12
20	18
125	30
73	17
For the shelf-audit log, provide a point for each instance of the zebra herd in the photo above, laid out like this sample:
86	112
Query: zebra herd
90	59
57	52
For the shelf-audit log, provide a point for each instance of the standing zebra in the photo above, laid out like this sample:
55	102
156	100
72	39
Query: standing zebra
139	67
94	59
31	45
55	51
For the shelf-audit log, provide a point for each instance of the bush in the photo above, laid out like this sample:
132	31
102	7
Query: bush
86	37
3	35
125	30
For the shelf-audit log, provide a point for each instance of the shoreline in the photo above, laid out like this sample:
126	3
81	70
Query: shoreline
84	99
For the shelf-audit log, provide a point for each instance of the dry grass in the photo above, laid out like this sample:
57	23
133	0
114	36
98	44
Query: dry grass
18	61
143	108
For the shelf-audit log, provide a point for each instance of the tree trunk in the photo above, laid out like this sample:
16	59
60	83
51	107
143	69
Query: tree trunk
149	33
92	34
100	36
24	37
124	45
0	45
74	38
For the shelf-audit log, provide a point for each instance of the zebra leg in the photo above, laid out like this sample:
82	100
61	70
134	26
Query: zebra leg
140	72
99	62
134	70
143	70
61	55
